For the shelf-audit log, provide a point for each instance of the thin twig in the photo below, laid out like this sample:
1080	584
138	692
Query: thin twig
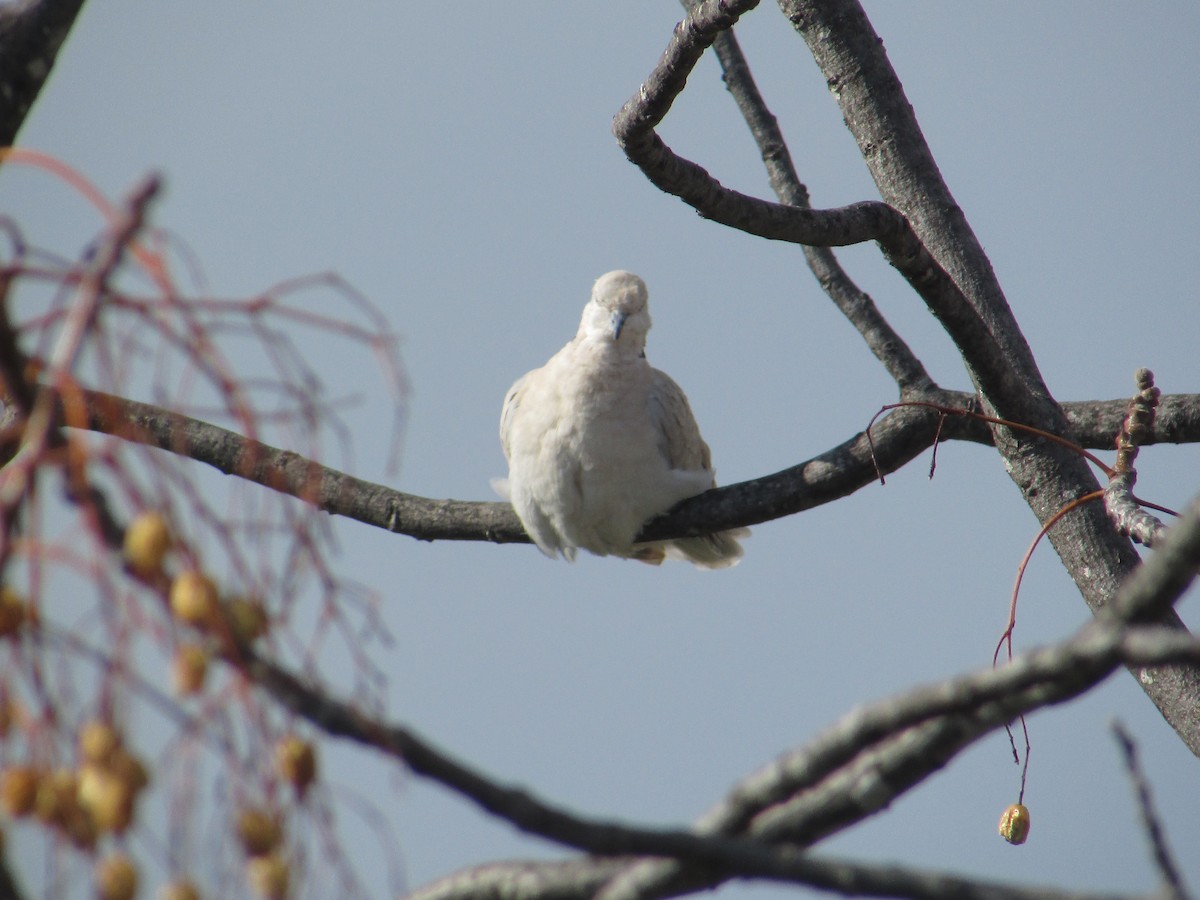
985	699
854	303
1155	834
1123	507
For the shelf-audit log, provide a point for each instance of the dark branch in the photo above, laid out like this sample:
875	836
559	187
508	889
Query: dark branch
902	740
535	880
899	438
1163	860
634	128
812	792
31	33
854	303
938	255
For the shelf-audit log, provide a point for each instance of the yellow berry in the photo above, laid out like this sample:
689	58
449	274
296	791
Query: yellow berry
9	713
179	890
247	619
147	540
269	876
19	789
116	878
194	598
189	669
98	741
107	797
1014	824
296	761
57	796
12	611
129	768
259	831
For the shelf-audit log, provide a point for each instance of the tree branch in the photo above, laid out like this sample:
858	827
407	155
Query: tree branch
899	742
823	787
854	303
938	255
31	33
1157	836
911	744
842	470
634	127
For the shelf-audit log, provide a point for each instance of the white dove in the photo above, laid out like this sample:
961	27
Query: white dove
599	442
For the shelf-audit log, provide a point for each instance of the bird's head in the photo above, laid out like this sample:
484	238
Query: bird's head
618	310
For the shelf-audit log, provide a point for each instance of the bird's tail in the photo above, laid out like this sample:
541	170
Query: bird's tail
709	551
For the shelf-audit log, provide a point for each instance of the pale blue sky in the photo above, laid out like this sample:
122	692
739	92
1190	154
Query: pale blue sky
454	163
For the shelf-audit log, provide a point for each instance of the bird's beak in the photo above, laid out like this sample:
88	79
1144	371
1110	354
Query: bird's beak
618	322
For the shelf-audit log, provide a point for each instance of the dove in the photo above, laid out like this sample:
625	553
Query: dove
599	442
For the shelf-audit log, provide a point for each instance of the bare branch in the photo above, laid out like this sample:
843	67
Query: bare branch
31	33
574	880
909	737
1123	508
634	128
533	880
1172	880
840	471
890	747
803	796
9	888
854	303
51	405
939	256
1177	421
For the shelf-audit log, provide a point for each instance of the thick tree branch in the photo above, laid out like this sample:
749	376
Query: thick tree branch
864	762
899	438
854	303
952	276
905	731
31	33
815	790
634	128
533	880
899	742
883	122
10	889
556	881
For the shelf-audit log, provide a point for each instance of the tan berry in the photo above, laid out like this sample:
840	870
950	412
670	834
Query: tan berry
194	598
116	878
12	611
78	825
188	669
127	767
296	761
57	797
147	540
107	797
269	876
247	619
98	741
259	831
1014	824
19	789
179	890
10	712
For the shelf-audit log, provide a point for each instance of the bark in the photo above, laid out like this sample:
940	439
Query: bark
31	34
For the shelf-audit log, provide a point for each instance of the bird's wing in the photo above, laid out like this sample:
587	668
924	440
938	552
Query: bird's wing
678	434
512	400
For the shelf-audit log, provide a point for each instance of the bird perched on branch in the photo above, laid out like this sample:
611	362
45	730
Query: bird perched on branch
599	442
